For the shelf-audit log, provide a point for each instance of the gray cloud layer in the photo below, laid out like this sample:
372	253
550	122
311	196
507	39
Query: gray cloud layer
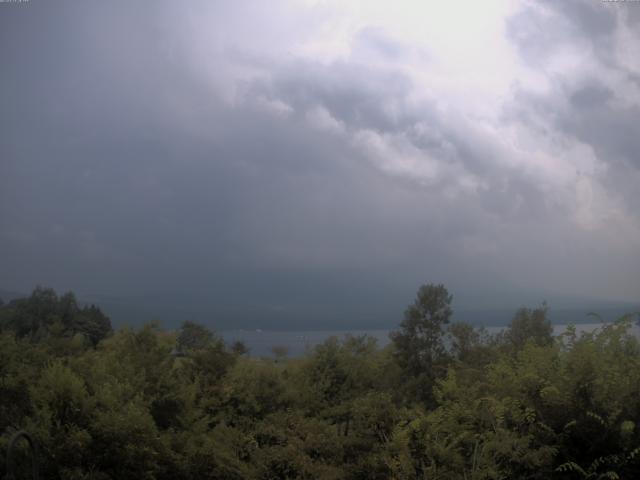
161	147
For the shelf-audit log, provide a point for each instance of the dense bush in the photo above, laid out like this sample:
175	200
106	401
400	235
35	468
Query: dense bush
441	401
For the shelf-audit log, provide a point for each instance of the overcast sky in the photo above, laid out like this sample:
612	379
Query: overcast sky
292	154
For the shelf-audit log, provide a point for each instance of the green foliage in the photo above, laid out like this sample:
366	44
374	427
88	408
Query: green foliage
44	315
252	391
529	326
193	336
419	345
521	404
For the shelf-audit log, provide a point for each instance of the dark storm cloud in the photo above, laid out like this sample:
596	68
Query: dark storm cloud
590	18
540	27
355	94
613	132
596	105
111	190
590	97
129	167
365	98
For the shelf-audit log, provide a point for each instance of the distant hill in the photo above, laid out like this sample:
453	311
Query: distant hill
377	313
558	316
8	295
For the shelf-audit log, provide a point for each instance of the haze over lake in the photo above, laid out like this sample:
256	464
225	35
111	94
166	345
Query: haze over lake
261	342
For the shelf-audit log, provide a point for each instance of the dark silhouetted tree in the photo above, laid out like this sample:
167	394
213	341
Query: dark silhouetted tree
45	315
419	345
530	325
194	336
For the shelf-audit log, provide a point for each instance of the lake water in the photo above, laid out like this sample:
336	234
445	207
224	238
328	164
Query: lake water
261	342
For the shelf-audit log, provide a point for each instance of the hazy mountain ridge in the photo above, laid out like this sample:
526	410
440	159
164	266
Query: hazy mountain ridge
171	310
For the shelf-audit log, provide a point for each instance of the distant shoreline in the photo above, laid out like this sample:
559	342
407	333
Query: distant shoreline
261	342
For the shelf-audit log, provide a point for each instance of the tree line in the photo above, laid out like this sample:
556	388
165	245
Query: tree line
442	401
